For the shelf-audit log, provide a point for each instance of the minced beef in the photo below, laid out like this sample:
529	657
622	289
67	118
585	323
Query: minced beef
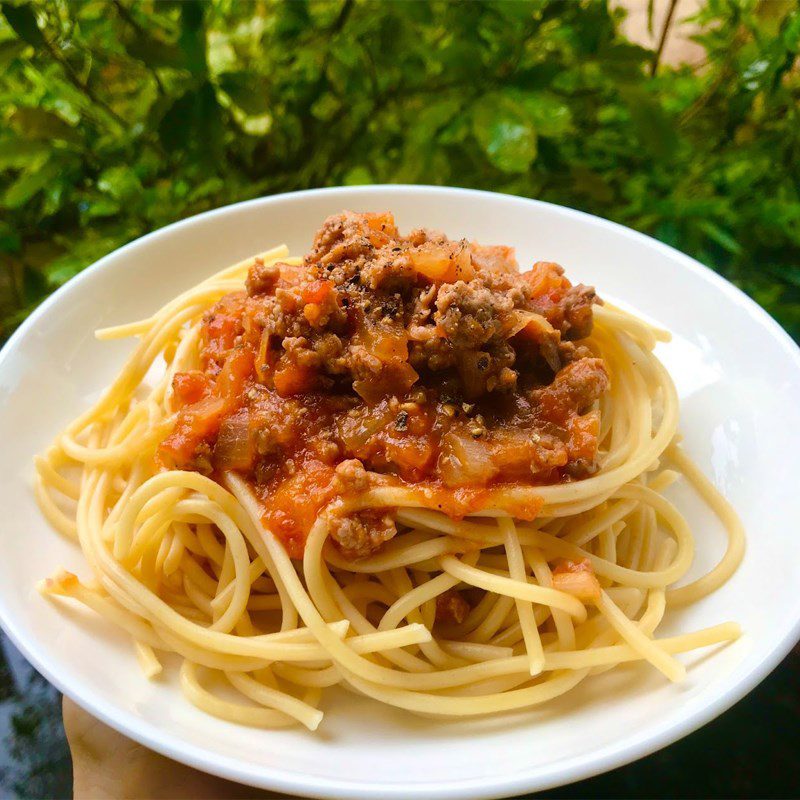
362	533
261	278
469	316
386	360
372	308
451	608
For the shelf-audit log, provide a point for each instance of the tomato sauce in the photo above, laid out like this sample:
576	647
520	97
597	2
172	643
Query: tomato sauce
455	378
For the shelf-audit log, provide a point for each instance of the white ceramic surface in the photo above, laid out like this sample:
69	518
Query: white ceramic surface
738	375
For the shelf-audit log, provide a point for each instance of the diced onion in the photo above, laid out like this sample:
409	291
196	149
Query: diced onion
234	446
464	460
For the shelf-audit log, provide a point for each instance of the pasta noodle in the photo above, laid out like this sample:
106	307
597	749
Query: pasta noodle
185	564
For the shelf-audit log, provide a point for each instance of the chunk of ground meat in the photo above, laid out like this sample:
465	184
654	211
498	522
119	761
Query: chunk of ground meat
434	354
201	460
420	236
451	608
365	288
363	250
575	387
346	236
352	475
418	312
581	468
487	370
261	278
470	315
274	425
363	533
578	317
569	352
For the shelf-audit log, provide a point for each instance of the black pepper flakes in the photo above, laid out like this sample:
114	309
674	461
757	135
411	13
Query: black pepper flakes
401	423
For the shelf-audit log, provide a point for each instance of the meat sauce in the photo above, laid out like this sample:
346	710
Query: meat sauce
387	359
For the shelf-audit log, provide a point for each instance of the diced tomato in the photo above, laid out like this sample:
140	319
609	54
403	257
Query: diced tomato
321	299
382	221
201	420
577	578
443	263
317	291
196	423
412	454
544	278
189	387
381	228
222	329
222	326
231	381
292	507
292	378
583	431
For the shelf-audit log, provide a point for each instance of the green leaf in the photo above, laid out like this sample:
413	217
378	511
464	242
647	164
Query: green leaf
654	129
720	236
325	106
121	183
36	123
193	39
791	32
292	18
247	90
206	189
154	52
83	253
31	183
18	153
193	125
516	12
504	132
23	22
433	120
100	208
9	238
11	49
551	116
357	176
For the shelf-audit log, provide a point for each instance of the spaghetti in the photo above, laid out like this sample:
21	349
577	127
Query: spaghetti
387	543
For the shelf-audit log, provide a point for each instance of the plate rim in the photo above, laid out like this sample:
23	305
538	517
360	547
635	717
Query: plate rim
612	756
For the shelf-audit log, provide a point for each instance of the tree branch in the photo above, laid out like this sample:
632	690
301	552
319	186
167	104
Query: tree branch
663	38
75	80
126	15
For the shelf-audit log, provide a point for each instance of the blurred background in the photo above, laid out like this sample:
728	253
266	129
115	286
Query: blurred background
680	119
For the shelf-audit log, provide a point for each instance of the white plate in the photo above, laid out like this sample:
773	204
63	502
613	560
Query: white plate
738	375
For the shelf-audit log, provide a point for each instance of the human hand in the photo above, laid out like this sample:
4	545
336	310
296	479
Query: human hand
108	766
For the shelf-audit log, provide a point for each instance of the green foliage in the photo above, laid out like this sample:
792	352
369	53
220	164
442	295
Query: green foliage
118	117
